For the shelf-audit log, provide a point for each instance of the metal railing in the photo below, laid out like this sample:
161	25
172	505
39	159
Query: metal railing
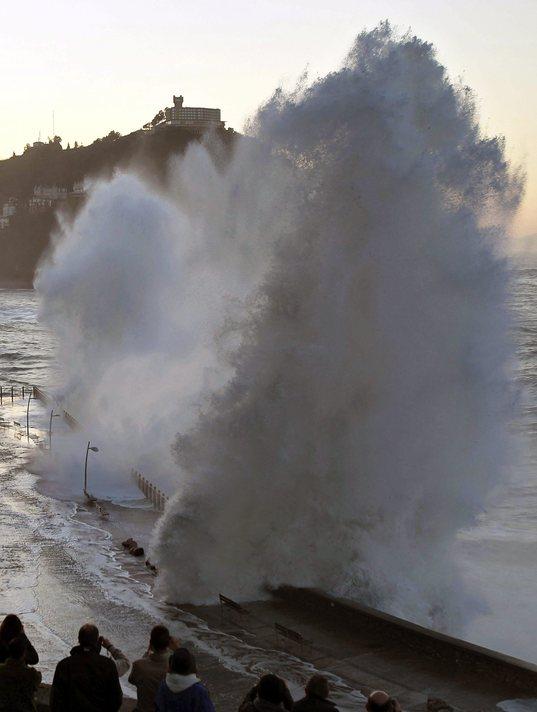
12	391
151	491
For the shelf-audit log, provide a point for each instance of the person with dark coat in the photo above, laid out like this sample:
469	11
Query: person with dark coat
380	701
316	699
12	628
86	681
269	695
181	690
18	682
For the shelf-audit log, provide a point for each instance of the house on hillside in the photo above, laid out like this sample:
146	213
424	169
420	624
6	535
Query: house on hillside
45	196
9	208
78	190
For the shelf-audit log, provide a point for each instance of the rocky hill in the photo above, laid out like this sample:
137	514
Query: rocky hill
47	177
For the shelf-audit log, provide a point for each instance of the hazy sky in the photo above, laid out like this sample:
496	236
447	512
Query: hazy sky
111	64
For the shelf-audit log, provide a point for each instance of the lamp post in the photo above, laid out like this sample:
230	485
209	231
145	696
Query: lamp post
52	415
28	418
93	449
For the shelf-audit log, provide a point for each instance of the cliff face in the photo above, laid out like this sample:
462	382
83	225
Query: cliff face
27	232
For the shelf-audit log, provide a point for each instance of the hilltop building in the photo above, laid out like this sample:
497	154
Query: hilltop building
191	117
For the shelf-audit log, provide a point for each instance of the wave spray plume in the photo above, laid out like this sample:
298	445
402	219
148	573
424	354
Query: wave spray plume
340	280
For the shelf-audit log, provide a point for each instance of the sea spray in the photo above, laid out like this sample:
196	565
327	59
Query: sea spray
366	419
322	319
140	291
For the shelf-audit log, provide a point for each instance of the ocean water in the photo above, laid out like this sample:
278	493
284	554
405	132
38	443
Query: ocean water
499	555
26	348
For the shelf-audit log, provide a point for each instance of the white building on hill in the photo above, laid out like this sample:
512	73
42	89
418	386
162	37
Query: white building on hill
192	117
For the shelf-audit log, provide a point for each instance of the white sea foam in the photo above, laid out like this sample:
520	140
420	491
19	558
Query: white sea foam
322	319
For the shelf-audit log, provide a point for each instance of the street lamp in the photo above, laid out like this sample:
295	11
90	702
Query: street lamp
93	449
28	417
52	415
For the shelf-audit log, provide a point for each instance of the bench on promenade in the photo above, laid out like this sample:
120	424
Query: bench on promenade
231	605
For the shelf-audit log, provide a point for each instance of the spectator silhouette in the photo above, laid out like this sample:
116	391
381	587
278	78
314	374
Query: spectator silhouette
18	682
379	701
148	672
316	699
86	681
181	690
269	695
12	628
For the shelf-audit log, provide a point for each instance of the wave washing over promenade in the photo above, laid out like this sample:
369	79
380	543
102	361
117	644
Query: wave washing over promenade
312	334
309	347
62	564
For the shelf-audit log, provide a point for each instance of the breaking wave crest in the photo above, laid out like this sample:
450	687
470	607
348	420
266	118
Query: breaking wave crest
325	310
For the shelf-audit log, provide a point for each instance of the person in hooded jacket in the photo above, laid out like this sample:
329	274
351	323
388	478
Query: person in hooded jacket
316	699
269	695
181	690
86	681
12	628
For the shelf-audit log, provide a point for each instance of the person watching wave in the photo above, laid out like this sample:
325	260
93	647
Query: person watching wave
316	699
12	627
18	682
149	671
86	680
182	691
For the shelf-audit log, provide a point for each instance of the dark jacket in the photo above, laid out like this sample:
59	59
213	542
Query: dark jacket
314	703
18	685
259	705
252	703
32	658
85	682
194	698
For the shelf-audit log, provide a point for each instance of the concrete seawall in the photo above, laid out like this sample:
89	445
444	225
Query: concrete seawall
453	653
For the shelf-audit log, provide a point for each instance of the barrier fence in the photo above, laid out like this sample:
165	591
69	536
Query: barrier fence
40	395
10	392
151	491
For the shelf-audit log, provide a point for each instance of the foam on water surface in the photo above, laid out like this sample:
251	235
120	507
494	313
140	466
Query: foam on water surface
61	567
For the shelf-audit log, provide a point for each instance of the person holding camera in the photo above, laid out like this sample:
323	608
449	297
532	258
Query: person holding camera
86	680
149	671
